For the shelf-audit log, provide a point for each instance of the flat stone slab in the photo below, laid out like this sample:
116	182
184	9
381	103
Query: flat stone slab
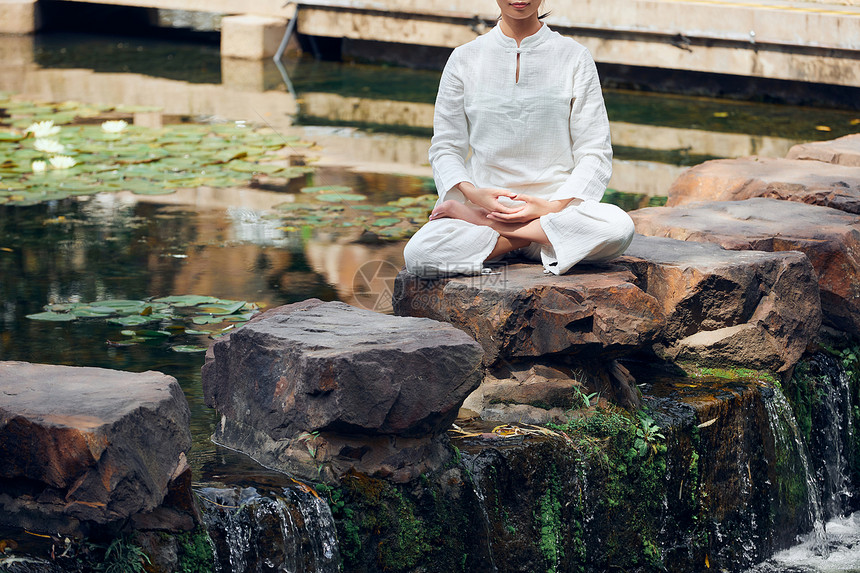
660	292
83	446
828	237
842	151
816	183
316	384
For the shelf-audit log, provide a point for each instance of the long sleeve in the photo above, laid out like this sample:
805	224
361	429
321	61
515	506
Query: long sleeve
589	133
450	144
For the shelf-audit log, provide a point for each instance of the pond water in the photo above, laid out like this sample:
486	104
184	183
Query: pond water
371	125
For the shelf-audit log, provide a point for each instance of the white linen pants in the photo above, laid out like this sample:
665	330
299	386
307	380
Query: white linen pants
588	231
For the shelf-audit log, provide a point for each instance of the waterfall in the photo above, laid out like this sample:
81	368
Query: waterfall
836	546
482	504
254	531
793	464
832	435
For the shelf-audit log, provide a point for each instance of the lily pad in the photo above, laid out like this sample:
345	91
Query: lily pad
386	222
219	309
247	167
327	188
338	197
207	319
188	348
53	316
132	320
187	300
93	311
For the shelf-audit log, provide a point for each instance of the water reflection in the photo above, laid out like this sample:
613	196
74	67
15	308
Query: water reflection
655	136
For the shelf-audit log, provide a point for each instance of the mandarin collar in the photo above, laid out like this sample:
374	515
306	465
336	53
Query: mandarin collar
528	42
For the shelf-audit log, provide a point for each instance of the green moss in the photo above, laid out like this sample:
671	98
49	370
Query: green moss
549	521
390	527
633	479
409	540
696	371
195	552
802	392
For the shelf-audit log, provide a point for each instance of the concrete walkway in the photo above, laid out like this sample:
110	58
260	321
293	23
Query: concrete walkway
775	39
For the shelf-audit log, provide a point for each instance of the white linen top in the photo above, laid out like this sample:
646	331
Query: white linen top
545	135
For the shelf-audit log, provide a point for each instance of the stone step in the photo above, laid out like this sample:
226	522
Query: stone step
828	237
318	389
841	151
90	447
817	183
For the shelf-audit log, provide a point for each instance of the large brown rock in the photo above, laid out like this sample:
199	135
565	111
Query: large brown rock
828	237
520	312
841	151
816	183
750	308
325	387
757	309
88	447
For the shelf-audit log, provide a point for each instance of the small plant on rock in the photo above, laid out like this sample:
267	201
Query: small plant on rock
123	556
647	437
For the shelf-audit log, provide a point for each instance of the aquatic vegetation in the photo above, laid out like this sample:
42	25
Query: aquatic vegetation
338	208
48	146
42	129
163	319
115	156
114	126
62	162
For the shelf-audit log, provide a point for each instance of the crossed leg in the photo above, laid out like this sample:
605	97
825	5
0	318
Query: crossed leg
513	236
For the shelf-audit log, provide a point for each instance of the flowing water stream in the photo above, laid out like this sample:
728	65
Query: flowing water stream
834	545
289	531
223	244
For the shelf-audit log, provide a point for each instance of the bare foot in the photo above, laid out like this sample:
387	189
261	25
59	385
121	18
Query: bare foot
456	210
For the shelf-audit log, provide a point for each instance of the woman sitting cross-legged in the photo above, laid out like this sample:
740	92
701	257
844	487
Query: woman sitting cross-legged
521	154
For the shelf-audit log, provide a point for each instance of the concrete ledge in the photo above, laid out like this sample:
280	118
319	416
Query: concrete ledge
19	16
755	48
251	37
